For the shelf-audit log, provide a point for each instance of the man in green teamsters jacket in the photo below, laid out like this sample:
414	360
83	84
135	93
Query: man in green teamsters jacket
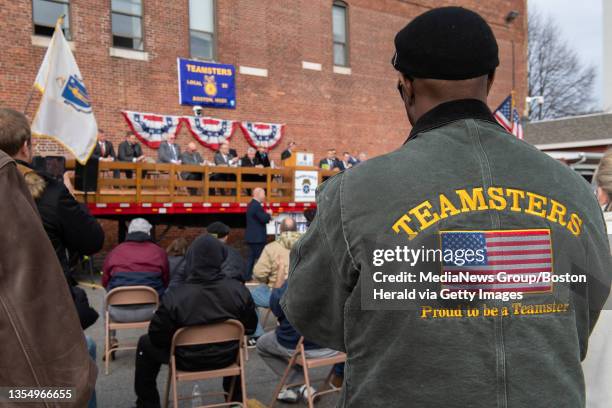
461	197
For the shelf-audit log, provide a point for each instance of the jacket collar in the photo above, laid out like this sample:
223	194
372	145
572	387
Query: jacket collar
138	236
28	165
452	111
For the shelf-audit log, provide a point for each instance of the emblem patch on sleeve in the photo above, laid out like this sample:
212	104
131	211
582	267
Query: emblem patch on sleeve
499	261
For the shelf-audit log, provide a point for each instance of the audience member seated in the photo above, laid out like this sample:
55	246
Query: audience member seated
288	151
274	261
136	261
277	346
233	266
169	151
176	260
130	151
330	162
262	157
208	296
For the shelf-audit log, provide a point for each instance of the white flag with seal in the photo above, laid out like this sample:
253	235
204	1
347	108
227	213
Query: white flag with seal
65	112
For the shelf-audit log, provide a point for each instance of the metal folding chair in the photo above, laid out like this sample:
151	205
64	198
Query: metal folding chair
299	358
123	296
230	330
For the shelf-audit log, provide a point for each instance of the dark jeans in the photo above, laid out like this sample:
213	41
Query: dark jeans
149	359
254	253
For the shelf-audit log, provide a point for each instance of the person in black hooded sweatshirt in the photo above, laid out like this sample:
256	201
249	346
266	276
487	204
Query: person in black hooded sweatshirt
207	296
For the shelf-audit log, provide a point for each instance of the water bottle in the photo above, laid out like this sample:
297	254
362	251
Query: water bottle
196	397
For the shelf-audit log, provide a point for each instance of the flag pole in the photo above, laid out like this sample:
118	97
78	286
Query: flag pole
27	105
58	23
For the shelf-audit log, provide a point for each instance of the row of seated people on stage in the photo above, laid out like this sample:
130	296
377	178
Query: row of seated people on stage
170	152
189	279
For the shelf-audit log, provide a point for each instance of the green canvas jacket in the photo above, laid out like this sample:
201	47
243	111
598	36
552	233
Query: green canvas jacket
459	176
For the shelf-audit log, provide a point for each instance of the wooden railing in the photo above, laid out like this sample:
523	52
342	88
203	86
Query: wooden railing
169	183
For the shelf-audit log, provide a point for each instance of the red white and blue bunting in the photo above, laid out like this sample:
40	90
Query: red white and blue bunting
150	128
265	135
210	132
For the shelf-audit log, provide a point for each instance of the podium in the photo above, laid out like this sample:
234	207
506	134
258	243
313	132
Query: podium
299	159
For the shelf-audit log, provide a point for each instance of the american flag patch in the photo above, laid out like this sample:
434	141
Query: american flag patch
509	261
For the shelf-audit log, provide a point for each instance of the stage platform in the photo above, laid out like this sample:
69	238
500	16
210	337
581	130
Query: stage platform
116	189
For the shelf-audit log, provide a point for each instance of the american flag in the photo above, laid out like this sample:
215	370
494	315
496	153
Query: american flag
517	127
516	252
503	113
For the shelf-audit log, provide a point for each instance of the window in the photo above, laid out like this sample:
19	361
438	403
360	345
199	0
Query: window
202	28
45	14
340	30
127	24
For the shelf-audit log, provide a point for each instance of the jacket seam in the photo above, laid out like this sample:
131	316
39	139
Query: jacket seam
21	343
485	167
348	248
494	216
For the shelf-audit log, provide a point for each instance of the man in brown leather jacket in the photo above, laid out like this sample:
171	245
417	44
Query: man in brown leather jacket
42	341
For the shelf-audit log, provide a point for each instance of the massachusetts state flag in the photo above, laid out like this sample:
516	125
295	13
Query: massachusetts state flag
524	253
65	112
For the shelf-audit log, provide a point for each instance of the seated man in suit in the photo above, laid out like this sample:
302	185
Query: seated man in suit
207	296
169	151
224	157
250	160
193	157
330	162
130	151
262	157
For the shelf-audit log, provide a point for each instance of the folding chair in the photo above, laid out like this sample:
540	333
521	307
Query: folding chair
230	330
299	358
123	296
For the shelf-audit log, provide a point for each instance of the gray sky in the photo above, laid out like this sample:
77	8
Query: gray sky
581	24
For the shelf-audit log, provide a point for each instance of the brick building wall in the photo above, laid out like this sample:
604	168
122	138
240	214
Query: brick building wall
360	111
